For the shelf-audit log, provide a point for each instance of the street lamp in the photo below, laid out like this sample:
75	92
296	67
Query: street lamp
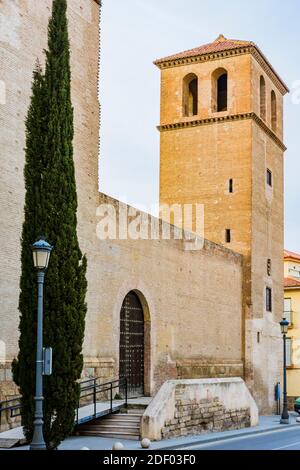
41	253
285	419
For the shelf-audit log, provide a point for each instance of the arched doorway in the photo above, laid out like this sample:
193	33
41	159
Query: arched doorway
131	358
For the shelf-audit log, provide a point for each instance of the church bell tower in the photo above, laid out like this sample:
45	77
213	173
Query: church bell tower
221	140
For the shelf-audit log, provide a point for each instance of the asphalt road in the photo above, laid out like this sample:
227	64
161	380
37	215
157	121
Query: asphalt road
285	439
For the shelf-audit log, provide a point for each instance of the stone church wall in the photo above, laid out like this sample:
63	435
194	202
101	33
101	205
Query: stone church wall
192	307
23	36
192	299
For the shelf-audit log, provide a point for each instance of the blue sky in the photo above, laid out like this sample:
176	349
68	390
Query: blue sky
136	32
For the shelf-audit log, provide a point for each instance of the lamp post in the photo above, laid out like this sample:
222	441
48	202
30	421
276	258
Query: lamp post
41	253
285	419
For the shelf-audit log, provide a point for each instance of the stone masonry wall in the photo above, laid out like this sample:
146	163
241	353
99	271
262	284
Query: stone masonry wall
193	406
195	369
207	416
10	419
8	390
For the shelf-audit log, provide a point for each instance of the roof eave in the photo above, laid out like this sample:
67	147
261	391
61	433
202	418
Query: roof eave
271	67
160	62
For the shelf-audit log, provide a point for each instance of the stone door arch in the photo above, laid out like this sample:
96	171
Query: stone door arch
132	344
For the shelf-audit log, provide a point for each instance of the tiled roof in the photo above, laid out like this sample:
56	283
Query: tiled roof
219	45
291	255
289	282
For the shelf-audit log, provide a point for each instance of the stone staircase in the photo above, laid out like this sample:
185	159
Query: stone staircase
123	425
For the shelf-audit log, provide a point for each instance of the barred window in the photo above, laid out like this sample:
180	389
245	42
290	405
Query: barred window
269	299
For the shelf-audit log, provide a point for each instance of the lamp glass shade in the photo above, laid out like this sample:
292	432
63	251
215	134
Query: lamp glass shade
41	259
284	325
41	253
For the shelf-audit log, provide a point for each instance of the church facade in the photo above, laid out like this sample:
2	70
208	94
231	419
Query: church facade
158	309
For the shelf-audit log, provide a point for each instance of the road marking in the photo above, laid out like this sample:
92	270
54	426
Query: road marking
240	438
289	445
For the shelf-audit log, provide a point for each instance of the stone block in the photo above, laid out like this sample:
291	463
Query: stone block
8	375
204	401
185	413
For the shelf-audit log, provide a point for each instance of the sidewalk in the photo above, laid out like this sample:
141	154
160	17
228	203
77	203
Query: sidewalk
266	424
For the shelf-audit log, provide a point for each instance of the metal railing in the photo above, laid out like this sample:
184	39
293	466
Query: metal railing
89	388
13	406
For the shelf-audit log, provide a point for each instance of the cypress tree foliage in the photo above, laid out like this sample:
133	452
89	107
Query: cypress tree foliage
24	368
65	286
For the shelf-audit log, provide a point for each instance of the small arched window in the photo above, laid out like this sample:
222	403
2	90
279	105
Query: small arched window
220	90
262	98
190	95
222	93
273	111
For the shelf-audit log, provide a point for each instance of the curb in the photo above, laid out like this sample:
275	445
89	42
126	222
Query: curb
225	438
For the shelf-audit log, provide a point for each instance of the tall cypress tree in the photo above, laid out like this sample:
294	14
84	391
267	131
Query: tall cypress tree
65	286
24	368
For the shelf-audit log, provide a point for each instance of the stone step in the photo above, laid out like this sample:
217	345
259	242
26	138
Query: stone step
135	419
131	418
134	411
117	425
106	426
116	434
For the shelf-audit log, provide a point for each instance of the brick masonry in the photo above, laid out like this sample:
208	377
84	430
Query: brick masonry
199	155
193	301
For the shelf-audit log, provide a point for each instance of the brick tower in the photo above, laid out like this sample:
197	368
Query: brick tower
222	146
